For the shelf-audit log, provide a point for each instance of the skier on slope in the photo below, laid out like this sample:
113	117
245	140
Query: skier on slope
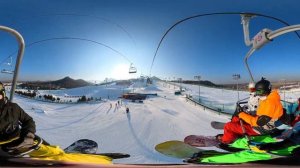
269	111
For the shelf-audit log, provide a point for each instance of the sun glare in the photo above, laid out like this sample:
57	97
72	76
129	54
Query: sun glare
121	71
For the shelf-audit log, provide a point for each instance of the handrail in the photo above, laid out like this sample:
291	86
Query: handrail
21	50
262	38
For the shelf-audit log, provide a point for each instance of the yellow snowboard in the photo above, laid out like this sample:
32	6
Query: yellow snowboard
177	149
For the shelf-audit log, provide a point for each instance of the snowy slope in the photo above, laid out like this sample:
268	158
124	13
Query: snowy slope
157	119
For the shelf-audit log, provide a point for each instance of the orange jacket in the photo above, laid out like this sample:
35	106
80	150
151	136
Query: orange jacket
271	107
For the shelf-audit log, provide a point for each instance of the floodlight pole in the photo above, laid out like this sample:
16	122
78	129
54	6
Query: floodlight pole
174	82
21	50
198	77
284	89
180	80
106	88
237	77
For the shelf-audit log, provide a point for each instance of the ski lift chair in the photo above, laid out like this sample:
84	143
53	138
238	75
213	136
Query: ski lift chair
132	69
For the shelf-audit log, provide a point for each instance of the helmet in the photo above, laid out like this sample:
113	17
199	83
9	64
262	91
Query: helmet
263	87
251	87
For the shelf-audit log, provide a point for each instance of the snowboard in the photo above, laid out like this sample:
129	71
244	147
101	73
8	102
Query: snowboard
176	149
201	140
87	146
194	155
217	125
181	150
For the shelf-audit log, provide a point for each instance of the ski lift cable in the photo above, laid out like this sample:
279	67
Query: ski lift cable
100	18
210	14
4	61
73	38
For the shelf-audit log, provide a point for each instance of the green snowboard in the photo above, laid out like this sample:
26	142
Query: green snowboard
179	149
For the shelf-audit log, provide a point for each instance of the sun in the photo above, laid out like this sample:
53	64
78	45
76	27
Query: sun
121	71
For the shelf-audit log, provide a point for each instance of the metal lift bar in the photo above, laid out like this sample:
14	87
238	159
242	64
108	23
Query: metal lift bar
261	38
21	50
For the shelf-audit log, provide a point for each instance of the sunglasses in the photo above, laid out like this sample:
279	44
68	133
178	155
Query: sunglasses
260	92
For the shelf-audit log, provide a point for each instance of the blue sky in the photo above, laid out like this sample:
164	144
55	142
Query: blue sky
102	38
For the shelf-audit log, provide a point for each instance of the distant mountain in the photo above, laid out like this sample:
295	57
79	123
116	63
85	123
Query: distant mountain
193	82
66	82
204	83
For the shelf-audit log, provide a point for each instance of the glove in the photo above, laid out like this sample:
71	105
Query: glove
274	145
28	141
238	110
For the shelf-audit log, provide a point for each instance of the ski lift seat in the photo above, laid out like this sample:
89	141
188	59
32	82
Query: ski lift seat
132	69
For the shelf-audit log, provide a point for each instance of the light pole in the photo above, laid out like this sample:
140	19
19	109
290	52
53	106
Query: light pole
237	77
106	88
179	80
166	82
283	89
174	82
198	77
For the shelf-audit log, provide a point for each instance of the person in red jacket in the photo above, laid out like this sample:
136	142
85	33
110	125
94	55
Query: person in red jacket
263	122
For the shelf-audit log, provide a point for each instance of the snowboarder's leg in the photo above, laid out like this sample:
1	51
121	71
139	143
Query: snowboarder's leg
234	130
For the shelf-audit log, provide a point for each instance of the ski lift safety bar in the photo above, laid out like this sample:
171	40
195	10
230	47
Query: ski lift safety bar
261	38
21	43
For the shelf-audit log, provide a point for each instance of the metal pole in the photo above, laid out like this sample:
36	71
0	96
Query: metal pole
237	89
174	82
237	77
19	58
106	88
198	77
284	90
180	80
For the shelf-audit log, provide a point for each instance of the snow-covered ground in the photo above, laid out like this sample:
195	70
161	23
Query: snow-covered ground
157	119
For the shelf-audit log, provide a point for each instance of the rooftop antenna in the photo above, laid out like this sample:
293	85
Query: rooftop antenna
261	38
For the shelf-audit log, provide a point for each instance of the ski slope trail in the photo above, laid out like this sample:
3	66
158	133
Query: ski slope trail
157	119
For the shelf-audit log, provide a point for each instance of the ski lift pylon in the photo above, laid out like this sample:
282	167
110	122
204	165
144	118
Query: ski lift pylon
132	69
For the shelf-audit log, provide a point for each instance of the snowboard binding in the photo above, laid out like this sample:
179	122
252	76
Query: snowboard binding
24	151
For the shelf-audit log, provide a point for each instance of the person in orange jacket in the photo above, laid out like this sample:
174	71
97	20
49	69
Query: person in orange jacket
263	122
269	110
